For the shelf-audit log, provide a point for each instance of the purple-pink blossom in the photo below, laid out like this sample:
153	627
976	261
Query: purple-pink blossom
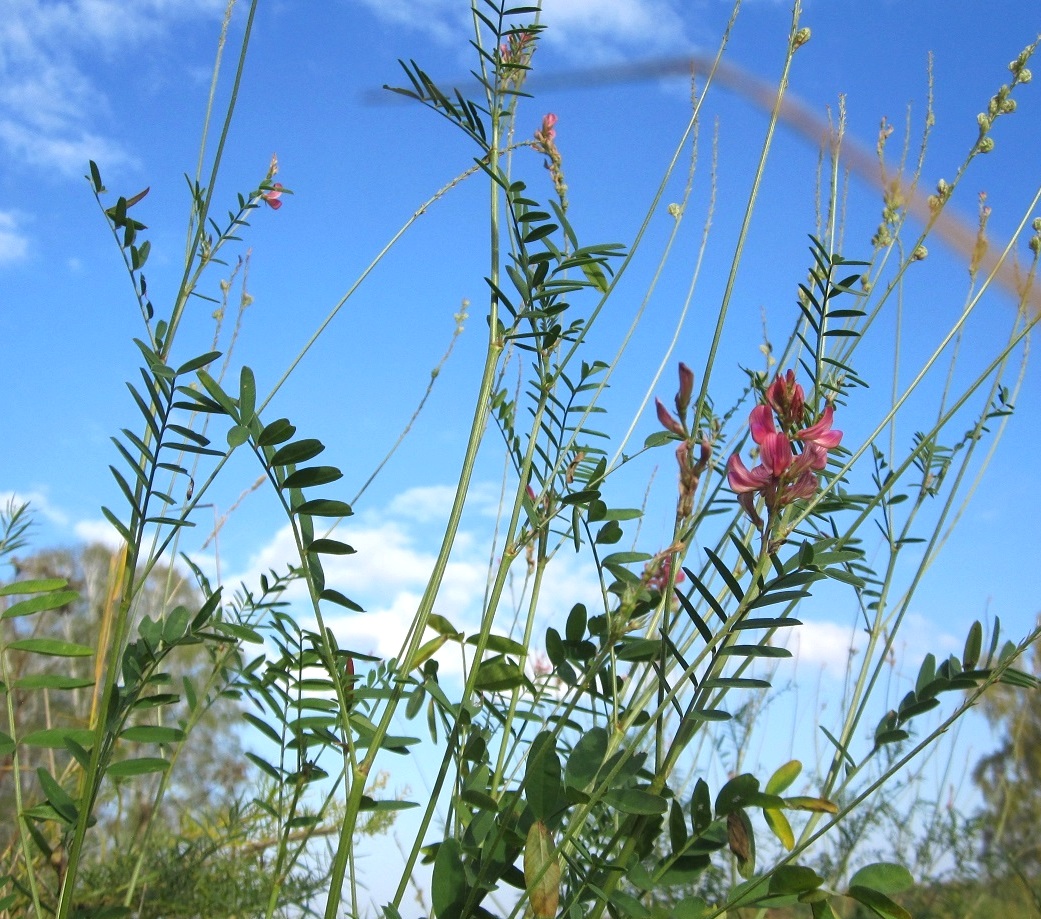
783	475
273	197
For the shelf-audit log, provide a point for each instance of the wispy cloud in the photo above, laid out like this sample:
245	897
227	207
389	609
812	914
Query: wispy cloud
52	110
14	244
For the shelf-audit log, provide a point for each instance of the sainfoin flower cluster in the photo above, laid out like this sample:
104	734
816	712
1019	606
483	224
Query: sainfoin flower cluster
790	459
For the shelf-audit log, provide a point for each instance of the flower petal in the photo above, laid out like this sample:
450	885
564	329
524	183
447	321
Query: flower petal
761	423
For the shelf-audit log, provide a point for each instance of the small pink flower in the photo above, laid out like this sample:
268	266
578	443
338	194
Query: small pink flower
549	127
273	197
659	581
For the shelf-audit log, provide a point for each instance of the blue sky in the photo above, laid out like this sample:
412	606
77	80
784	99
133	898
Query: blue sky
126	85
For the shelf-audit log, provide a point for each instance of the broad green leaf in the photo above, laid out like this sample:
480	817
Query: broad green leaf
635	801
884	877
152	733
736	793
35	586
754	651
782	829
498	674
7	744
238	434
279	431
586	758
330	547
51	681
54	647
143	765
58	797
247	396
334	596
55	737
448	883
324	507
700	807
878	903
627	905
53	600
426	651
790	879
442	626
625	558
973	646
576	623
542	784
219	395
197	362
299	451
782	779
677	827
311	476
500	644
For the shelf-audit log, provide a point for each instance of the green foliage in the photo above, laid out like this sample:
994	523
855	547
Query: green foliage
584	787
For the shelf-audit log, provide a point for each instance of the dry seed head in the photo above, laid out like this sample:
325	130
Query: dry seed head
986	145
1036	225
920	254
801	37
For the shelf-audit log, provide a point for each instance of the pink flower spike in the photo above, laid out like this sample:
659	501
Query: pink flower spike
821	433
273	197
549	124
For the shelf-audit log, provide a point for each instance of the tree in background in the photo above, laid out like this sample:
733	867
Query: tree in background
207	834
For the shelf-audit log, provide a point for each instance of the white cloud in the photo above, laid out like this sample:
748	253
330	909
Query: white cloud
97	532
49	104
395	550
14	244
591	30
647	26
830	645
824	644
39	505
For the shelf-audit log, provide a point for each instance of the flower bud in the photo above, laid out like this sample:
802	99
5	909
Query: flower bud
685	390
667	421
